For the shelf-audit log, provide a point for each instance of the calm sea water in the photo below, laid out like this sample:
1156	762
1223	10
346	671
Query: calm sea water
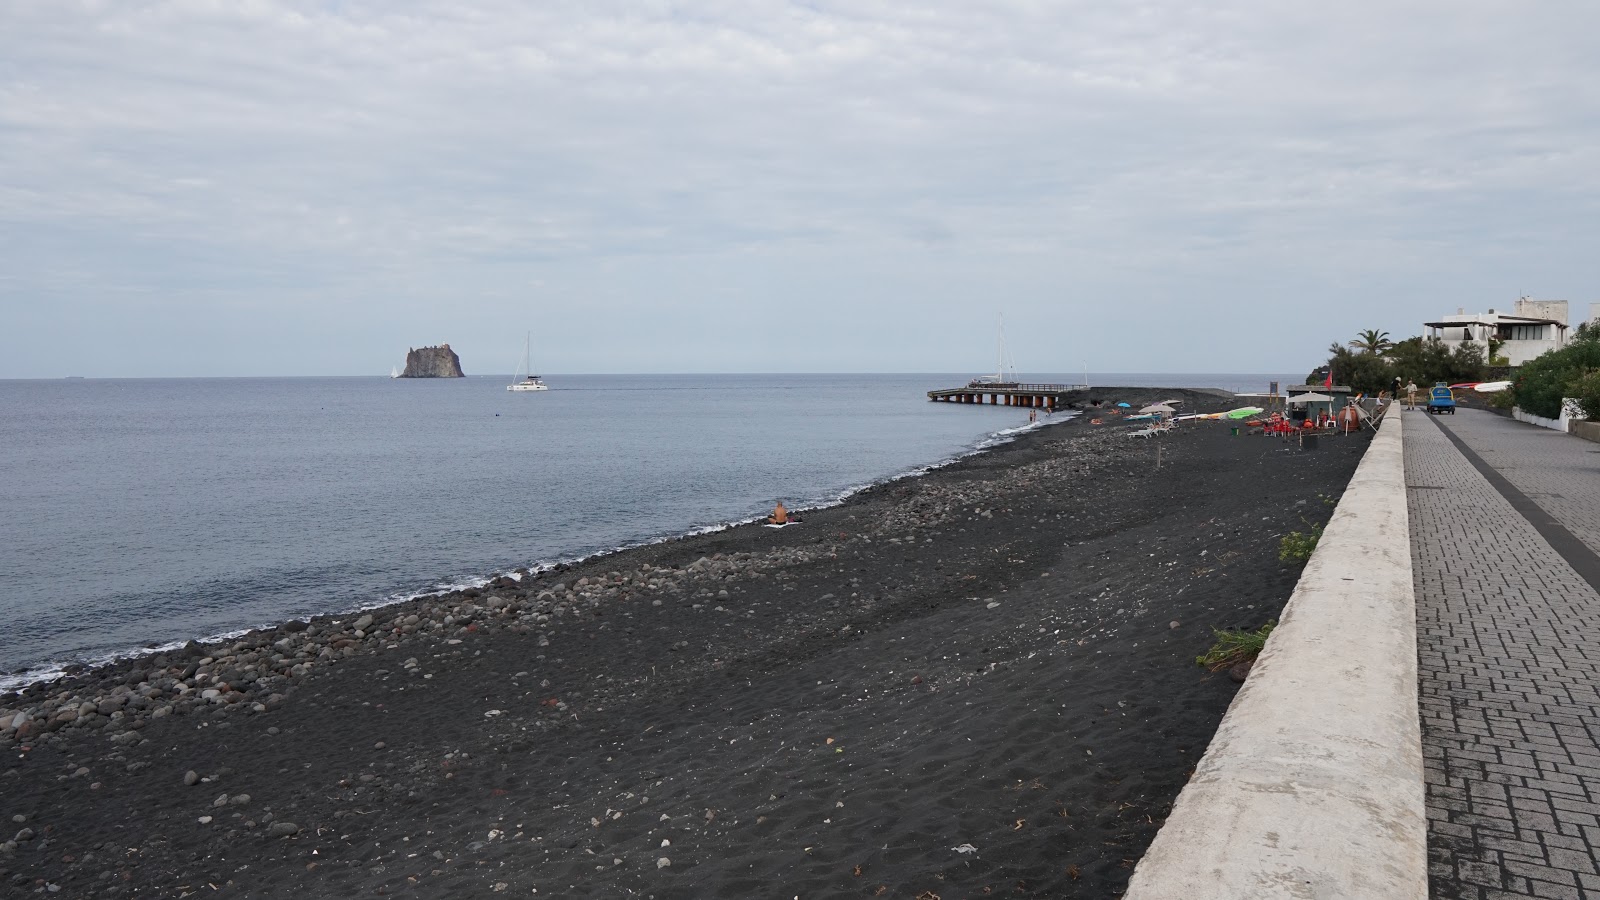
147	511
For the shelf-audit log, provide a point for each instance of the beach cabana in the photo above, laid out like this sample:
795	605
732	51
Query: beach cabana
1329	398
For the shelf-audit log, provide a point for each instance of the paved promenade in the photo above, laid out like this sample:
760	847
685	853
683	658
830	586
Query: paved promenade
1505	542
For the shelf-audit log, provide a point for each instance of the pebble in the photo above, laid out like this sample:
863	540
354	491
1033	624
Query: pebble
205	820
191	778
282	829
663	862
24	836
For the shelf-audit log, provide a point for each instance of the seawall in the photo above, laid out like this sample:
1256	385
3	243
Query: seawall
1313	785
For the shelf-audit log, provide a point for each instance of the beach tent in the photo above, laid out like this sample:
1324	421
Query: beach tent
1158	408
1336	396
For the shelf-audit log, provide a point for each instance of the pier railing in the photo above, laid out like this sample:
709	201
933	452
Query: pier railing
1050	388
1009	393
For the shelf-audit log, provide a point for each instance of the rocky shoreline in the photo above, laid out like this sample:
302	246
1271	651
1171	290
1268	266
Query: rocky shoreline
662	720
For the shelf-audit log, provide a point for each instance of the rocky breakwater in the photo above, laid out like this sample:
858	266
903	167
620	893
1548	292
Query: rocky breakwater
432	362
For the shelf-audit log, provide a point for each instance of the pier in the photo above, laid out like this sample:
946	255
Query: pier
1009	393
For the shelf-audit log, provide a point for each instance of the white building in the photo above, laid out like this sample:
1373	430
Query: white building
1535	327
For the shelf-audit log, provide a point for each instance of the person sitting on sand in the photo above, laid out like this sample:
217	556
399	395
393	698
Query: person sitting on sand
780	516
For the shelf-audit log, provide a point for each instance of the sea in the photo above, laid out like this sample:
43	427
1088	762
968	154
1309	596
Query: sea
137	514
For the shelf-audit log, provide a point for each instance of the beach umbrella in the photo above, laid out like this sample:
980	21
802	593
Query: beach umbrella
1242	412
1125	405
1158	408
1310	398
1493	387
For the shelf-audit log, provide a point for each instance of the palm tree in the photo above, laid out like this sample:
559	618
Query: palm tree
1372	341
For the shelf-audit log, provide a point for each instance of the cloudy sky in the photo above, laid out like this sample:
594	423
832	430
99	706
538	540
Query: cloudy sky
244	187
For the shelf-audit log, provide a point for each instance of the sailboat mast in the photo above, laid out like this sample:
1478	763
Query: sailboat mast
1000	371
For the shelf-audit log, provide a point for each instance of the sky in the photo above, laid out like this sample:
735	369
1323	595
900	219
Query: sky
249	188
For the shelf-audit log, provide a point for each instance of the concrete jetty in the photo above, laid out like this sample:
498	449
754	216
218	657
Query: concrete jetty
1009	393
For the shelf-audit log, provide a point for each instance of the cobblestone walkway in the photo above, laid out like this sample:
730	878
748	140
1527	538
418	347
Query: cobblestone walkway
1509	654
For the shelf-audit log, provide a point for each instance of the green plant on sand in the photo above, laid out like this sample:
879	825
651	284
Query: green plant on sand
1298	546
1235	646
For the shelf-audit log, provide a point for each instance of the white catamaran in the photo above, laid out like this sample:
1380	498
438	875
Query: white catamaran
529	381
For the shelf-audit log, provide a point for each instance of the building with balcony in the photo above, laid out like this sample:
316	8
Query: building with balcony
1532	328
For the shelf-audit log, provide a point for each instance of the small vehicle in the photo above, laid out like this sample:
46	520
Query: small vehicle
1441	401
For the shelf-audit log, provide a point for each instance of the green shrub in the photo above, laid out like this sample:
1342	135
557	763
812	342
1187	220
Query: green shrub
1543	381
1586	390
1234	647
1298	547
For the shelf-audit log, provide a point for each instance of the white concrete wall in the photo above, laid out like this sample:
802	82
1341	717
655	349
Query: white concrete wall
1542	309
1313	785
1570	412
1541	421
1519	352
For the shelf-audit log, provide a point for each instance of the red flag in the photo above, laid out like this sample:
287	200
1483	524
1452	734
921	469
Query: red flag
1328	382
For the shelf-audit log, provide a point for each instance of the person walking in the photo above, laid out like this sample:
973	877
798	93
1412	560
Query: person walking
1411	395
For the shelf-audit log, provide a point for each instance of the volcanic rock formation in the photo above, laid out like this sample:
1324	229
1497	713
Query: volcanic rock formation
432	362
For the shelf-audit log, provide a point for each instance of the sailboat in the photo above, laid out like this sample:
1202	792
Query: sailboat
394	372
998	379
529	382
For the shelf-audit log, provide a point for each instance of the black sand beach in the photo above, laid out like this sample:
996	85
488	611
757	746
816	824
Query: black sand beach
979	682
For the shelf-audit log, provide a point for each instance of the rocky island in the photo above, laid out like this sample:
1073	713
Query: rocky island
432	362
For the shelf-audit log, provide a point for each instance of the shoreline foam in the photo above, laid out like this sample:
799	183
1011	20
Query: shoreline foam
50	670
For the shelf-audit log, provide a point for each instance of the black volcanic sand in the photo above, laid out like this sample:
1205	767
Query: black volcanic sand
980	682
